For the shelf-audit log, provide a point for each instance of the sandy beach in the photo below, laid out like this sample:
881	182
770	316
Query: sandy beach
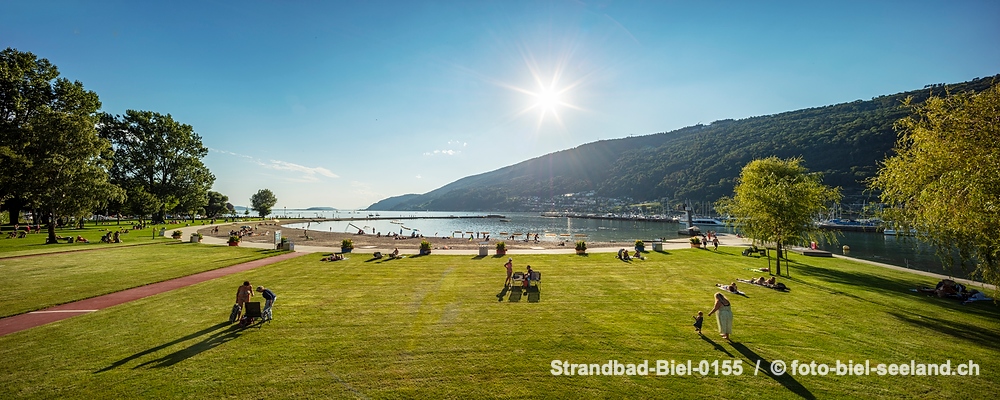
330	241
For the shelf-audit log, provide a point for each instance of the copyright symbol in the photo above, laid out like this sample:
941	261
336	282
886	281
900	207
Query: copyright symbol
778	368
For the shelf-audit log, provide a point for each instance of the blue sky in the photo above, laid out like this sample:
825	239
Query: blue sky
342	104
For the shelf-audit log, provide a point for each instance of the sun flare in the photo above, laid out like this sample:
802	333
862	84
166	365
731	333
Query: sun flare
548	100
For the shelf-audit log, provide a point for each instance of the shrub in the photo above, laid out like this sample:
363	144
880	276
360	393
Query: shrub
501	246
425	245
695	240
234	239
640	243
347	244
581	245
176	234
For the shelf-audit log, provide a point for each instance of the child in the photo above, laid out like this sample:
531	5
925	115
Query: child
698	319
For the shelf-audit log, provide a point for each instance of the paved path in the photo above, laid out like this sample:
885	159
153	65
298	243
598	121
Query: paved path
37	318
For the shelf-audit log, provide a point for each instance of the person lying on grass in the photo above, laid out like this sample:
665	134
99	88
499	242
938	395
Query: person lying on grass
333	257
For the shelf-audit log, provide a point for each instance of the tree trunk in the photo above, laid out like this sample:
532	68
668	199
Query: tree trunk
14	207
52	230
778	258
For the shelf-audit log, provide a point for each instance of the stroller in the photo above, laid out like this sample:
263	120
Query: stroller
252	314
233	315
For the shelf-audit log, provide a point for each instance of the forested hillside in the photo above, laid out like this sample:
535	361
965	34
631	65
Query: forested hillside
844	141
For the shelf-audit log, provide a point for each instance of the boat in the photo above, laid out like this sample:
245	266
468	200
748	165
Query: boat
851	225
707	221
504	220
893	232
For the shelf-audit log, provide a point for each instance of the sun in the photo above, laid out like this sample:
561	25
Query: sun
548	100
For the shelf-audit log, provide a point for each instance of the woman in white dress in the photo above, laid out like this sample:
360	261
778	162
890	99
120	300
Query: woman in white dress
725	316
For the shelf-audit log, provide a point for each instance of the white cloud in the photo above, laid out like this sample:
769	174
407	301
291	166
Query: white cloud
442	152
419	177
309	171
308	174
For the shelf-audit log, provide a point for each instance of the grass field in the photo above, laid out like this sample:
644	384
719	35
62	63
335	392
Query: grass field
431	327
33	283
35	243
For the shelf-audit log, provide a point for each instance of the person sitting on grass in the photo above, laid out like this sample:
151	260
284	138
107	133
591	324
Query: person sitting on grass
81	239
638	255
395	253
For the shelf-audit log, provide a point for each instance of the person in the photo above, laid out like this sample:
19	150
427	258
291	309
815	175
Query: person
637	255
118	238
625	255
698	319
715	242
771	282
732	288
620	251
725	317
269	297
243	295
81	239
510	270
395	253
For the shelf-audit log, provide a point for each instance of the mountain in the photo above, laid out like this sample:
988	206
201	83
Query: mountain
845	142
321	209
392	202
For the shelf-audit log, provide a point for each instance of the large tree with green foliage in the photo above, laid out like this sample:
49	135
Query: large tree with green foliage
216	204
159	155
50	153
776	201
944	180
262	201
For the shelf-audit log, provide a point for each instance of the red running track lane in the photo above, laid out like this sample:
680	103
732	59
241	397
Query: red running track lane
32	319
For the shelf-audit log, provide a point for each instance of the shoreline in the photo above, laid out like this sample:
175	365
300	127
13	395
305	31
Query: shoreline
329	242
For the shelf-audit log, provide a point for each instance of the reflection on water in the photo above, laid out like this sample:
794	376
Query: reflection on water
895	250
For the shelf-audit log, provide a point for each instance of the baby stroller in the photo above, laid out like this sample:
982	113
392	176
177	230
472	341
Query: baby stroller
233	315
253	312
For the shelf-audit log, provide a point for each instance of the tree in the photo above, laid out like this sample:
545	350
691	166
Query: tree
216	204
944	179
50	153
262	201
159	155
777	200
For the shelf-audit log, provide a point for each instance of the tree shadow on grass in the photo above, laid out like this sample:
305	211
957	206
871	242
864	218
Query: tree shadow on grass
785	380
974	334
876	283
151	350
716	345
218	338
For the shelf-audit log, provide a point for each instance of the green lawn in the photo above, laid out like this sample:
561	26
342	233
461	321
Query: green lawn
32	283
34	243
431	327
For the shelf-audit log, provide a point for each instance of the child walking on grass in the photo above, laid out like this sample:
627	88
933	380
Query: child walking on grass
698	319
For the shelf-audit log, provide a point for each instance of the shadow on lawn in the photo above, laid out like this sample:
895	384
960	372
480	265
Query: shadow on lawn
165	345
234	331
717	346
974	334
785	380
901	287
